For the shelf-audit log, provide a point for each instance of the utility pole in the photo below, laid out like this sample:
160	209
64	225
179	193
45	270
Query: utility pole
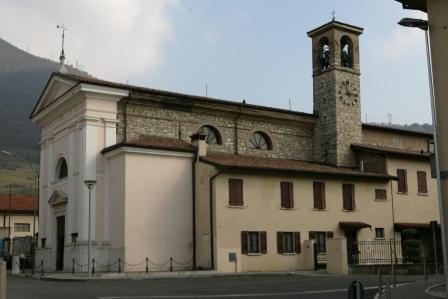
9	211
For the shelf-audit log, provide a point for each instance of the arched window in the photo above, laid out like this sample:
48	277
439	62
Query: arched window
61	169
260	140
211	133
324	53
346	52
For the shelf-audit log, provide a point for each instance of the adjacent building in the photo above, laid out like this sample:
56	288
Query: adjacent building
224	185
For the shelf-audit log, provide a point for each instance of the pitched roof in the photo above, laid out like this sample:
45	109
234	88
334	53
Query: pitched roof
393	151
245	162
92	80
154	142
396	130
20	204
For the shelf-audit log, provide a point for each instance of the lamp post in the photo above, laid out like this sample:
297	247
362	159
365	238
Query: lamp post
424	25
36	189
90	185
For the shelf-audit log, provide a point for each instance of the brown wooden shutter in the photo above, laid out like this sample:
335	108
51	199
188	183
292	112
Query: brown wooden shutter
279	242
244	242
381	194
319	195
264	243
346	197
287	195
298	242
352	196
330	235
236	192
322	194
421	182
312	235
402	181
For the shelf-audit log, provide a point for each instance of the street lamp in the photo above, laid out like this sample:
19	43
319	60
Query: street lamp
424	25
90	184
36	188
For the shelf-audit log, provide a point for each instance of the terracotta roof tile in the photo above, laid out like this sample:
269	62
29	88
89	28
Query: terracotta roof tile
390	150
274	164
154	142
19	203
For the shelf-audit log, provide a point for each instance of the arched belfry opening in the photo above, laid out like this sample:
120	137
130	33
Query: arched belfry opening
324	53
346	52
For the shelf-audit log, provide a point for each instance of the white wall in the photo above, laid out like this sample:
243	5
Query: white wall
158	208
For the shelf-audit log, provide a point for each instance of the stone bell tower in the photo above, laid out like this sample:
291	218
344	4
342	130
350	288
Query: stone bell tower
336	92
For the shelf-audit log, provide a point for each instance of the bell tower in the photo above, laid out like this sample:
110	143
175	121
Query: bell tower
336	92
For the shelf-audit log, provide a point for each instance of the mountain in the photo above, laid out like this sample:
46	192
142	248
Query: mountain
22	78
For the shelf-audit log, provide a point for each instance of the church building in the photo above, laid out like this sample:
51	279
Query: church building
216	184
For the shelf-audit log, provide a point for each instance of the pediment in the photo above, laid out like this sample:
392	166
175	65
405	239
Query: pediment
58	197
55	88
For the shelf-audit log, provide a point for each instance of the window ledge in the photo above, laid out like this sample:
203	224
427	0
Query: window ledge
380	238
380	200
423	194
288	253
402	193
236	207
282	208
254	254
349	211
320	210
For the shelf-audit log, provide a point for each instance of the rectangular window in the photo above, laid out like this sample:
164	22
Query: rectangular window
21	227
319	195
381	194
287	195
253	242
421	182
320	239
236	192
288	242
379	233
402	181
348	197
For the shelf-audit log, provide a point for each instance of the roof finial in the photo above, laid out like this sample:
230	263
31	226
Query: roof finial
62	68
333	13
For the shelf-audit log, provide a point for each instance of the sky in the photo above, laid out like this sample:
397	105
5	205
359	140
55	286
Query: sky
252	50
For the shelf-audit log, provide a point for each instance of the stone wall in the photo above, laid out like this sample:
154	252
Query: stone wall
290	139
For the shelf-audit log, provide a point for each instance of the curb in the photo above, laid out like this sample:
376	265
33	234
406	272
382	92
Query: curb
435	294
169	276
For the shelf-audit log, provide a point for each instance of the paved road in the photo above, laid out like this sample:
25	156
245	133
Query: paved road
278	286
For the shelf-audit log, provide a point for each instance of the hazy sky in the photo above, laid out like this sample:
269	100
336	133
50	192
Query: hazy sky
255	50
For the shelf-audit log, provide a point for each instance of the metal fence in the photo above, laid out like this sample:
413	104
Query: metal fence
380	252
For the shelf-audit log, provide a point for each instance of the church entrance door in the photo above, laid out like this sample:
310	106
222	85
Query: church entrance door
60	237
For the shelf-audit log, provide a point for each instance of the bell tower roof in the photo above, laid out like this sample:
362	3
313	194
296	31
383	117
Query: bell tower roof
335	25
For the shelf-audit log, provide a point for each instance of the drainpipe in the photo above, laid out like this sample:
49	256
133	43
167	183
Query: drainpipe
393	209
193	191
236	126
212	253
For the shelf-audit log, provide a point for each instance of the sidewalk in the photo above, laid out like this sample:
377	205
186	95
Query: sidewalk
58	276
419	290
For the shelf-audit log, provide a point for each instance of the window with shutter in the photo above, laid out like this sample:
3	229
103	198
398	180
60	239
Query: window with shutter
287	195
280	242
319	195
402	181
421	182
264	243
236	192
381	194
348	197
244	242
298	244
